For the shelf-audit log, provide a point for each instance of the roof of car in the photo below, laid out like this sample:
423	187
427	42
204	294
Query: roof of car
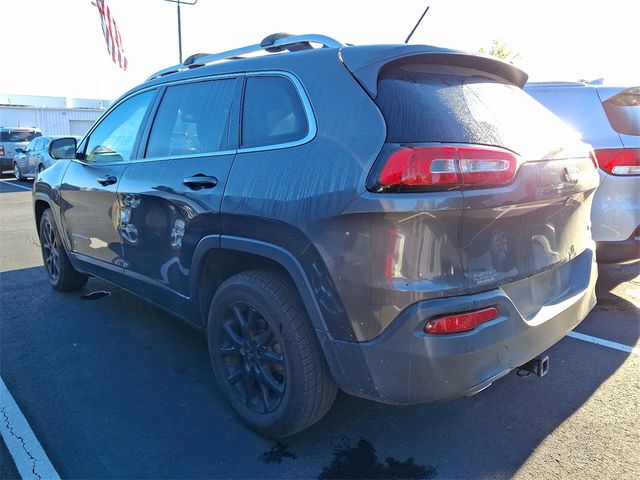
271	55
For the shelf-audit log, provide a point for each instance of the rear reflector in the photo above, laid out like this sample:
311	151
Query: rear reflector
620	161
447	167
462	322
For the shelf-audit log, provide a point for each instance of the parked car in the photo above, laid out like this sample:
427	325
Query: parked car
609	119
12	138
34	158
396	221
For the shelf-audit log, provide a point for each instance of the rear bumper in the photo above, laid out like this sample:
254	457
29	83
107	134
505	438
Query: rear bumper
615	212
6	163
406	366
628	249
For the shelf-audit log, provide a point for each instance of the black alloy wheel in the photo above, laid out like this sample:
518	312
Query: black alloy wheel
265	354
252	357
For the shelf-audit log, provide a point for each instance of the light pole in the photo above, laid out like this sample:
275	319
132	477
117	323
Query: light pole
181	2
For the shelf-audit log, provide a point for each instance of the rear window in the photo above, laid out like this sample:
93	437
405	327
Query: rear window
273	113
420	105
18	135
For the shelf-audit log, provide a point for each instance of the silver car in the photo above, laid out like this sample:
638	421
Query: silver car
609	119
34	158
12	138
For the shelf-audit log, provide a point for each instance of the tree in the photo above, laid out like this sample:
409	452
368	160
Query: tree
501	50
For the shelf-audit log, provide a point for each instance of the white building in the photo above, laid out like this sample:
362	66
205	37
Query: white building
52	115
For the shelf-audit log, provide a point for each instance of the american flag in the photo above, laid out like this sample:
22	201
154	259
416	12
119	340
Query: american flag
111	34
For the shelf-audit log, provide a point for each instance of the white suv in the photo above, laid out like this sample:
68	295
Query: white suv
609	119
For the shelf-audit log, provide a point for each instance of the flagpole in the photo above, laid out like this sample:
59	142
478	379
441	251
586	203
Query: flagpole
179	34
181	2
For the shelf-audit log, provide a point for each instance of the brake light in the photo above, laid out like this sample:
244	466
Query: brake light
620	161
627	98
462	322
447	167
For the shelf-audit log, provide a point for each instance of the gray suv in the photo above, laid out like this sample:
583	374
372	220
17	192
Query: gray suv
400	222
12	138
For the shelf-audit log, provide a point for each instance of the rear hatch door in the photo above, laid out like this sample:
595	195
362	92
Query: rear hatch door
540	217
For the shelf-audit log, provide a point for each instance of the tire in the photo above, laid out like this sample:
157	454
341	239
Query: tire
265	354
18	173
61	274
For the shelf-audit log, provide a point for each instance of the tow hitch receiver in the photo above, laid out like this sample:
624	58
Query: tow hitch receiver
538	366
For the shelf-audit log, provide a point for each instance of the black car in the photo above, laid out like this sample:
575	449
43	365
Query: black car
401	222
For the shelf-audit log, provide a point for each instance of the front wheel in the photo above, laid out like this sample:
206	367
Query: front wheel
62	276
265	356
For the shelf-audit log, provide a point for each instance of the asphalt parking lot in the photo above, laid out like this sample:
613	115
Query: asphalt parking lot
115	388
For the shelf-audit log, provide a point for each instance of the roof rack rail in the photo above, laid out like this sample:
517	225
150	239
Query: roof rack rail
273	43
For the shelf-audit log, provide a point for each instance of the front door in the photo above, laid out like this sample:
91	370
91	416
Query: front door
88	194
172	197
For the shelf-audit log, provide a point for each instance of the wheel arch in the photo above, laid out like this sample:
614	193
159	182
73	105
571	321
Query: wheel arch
218	257
39	206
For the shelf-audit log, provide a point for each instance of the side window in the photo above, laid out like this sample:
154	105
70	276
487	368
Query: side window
272	113
39	144
115	136
193	118
31	147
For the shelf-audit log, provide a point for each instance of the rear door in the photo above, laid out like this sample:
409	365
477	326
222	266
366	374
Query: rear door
22	159
88	201
34	156
526	180
171	198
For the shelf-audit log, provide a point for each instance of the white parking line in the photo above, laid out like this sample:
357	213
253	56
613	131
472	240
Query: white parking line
24	447
16	185
605	343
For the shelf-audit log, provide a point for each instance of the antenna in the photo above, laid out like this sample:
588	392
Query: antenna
414	28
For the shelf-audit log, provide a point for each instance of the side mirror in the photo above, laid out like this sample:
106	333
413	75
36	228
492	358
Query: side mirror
19	150
63	148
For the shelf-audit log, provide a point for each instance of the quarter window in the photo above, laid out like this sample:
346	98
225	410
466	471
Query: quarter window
192	119
273	112
113	140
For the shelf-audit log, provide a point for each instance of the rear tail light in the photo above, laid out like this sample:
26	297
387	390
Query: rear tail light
2	151
620	161
627	98
462	322
417	168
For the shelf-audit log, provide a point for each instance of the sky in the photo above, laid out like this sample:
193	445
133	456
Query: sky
56	47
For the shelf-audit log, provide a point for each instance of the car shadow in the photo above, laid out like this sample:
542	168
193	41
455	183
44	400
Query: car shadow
116	388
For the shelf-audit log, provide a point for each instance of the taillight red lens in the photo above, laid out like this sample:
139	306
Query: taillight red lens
2	151
619	161
448	167
421	166
462	322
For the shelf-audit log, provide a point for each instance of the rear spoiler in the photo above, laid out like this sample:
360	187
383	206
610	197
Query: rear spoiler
365	63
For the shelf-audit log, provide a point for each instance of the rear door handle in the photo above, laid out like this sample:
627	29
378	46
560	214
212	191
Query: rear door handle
107	180
198	182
